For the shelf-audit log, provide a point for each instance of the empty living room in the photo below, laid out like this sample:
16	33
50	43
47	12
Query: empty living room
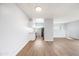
39	29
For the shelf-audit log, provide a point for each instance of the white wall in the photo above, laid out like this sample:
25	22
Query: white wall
67	30
48	30
13	29
72	29
59	30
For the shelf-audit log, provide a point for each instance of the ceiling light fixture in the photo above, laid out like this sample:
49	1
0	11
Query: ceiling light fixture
38	9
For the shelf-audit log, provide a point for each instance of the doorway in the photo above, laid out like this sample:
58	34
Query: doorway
39	33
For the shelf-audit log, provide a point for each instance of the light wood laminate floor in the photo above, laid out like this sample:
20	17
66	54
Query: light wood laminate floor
58	47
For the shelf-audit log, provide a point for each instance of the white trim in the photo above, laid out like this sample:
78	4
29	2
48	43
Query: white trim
20	48
69	38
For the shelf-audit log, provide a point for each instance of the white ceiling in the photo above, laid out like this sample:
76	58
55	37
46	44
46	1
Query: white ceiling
60	12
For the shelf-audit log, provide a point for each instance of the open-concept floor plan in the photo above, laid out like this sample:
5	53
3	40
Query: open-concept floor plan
39	29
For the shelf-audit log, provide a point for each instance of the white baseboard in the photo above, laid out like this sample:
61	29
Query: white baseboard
69	38
19	49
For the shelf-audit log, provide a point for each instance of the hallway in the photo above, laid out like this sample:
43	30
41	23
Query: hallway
59	47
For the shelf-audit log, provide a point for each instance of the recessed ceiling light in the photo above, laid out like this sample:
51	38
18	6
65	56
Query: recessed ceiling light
38	9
